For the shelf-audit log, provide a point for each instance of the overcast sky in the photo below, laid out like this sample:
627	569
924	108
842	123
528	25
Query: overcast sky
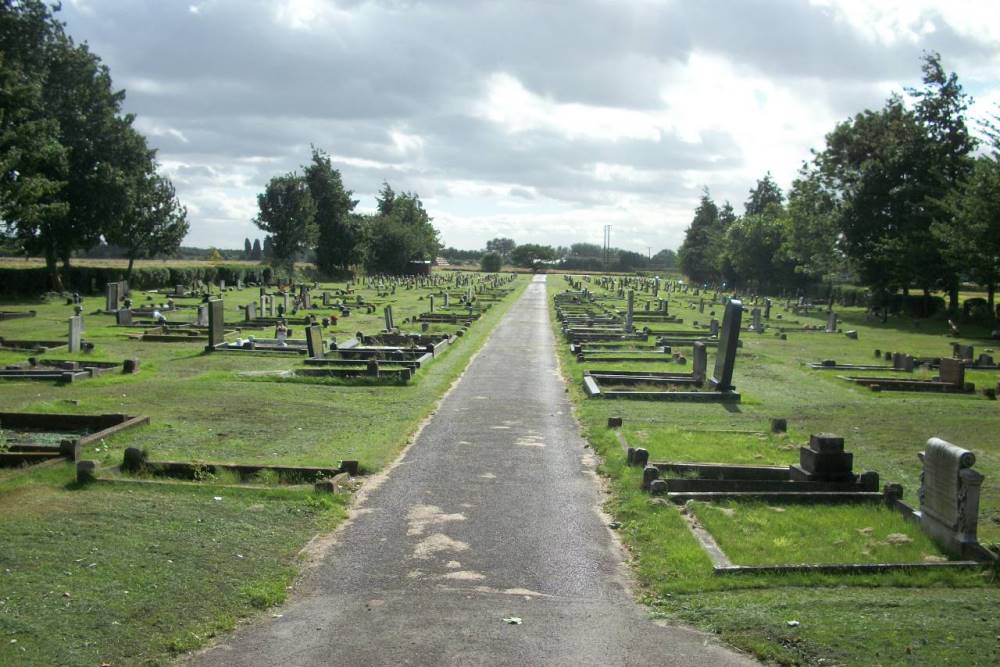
538	120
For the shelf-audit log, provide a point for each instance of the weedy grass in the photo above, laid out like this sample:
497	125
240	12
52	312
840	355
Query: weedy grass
137	573
895	618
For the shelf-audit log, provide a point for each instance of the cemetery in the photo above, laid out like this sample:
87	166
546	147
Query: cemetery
714	499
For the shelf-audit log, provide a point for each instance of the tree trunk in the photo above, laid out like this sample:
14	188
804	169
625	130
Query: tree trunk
128	271
66	267
925	302
953	297
990	297
55	280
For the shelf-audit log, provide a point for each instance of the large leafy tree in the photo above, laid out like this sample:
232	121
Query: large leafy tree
288	214
339	234
501	246
154	223
699	253
889	172
812	241
763	196
69	157
401	232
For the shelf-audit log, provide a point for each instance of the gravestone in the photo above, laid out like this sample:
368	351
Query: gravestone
713	327
725	359
202	320
284	300
111	297
123	317
216	324
699	363
767	309
949	496
431	299
75	333
952	371
250	313
629	311
831	322
314	341
326	299
824	460
390	324
701	305
756	325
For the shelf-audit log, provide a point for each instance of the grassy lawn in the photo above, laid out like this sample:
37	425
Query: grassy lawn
134	573
905	618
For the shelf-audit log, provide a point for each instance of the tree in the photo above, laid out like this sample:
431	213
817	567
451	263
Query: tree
501	246
338	233
256	254
889	172
666	259
763	196
401	232
247	249
701	248
385	199
288	214
754	250
154	222
812	242
491	262
529	254
267	252
971	235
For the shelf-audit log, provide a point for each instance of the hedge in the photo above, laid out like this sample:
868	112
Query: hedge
91	280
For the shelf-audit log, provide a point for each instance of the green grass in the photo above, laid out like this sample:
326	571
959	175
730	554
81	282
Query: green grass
757	534
191	565
132	574
902	617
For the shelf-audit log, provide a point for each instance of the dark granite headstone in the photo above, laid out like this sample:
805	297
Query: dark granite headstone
725	360
216	324
314	341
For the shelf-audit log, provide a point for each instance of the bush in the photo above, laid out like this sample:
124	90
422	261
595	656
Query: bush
976	310
491	262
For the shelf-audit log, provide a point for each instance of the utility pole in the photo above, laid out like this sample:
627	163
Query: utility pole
607	245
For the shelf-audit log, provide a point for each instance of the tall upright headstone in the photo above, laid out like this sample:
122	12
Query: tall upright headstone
699	364
390	324
111	297
629	310
767	309
75	333
431	298
756	324
250	313
949	497
216	324
831	322
314	341
725	360
123	317
202	320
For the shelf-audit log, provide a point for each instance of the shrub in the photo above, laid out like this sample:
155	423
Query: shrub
491	262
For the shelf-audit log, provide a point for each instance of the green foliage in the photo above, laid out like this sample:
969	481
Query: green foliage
501	246
72	167
753	250
763	196
338	232
400	233
491	262
700	252
529	254
288	214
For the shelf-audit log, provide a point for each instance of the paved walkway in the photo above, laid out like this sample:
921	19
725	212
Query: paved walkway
492	513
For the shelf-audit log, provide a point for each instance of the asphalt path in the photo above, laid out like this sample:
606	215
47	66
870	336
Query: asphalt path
492	514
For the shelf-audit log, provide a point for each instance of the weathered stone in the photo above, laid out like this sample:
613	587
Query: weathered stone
725	360
949	496
130	366
133	459
779	425
640	457
649	473
615	422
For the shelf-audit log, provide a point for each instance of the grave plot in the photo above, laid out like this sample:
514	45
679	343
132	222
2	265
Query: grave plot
944	527
16	314
36	346
669	386
137	462
36	438
951	380
901	363
64	371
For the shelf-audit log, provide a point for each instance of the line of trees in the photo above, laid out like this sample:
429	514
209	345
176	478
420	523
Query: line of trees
896	200
313	211
578	256
73	170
